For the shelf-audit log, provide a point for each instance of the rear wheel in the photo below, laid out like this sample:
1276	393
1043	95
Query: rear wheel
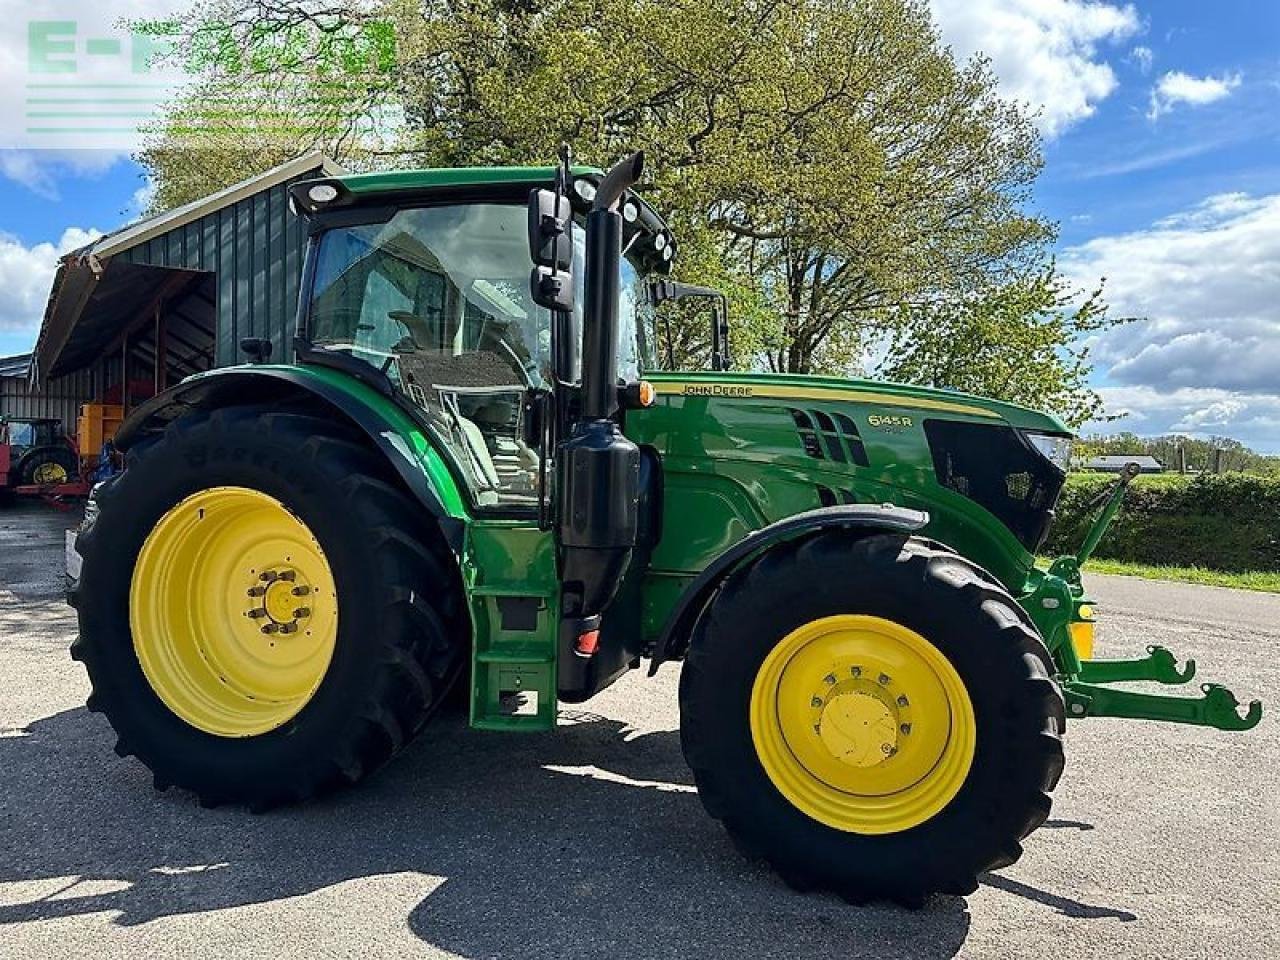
872	716
48	465
264	615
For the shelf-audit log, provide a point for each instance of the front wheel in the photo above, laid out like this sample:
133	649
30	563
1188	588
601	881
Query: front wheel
872	716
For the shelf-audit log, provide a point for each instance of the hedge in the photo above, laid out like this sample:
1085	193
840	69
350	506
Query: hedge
1228	521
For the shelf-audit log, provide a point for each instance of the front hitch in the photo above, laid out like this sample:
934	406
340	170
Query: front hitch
1217	708
1158	666
1057	604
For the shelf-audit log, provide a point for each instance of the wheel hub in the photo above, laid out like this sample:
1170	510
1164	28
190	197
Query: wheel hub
858	728
862	723
233	609
280	600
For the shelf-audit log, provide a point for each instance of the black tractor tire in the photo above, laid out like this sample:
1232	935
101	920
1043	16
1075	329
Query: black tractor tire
1018	712
33	460
401	638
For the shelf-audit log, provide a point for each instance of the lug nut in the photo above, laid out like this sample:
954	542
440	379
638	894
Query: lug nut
815	702
301	590
829	679
855	671
884	679
905	728
288	628
258	613
270	628
301	612
288	576
902	701
267	576
257	591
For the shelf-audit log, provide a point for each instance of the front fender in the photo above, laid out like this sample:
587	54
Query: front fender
391	430
870	518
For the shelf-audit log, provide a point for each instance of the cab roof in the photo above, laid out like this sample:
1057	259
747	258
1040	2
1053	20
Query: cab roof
438	177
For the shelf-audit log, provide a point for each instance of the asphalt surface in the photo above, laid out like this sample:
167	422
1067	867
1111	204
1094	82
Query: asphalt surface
1164	841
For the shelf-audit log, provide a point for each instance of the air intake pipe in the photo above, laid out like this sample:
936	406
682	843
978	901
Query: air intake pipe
598	469
603	262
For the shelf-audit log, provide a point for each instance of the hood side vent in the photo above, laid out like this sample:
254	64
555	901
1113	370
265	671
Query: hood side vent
830	436
830	498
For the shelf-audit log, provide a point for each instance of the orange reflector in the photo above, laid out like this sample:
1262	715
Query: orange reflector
647	393
1082	638
588	643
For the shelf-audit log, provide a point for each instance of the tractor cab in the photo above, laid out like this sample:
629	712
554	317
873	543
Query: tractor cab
431	296
21	435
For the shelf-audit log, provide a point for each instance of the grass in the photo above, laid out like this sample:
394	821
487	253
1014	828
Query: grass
1253	580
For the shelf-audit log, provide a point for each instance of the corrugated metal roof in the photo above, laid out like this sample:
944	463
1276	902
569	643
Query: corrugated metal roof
145	230
247	249
15	366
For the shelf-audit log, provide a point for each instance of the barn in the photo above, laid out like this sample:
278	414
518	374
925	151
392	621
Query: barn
169	296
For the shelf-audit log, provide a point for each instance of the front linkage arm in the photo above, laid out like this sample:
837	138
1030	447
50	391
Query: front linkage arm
1217	708
1082	680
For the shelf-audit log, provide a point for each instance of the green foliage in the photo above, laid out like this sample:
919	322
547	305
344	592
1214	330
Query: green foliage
831	165
1250	580
1017	341
1228	522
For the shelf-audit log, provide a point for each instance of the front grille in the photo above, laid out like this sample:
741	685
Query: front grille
997	469
827	436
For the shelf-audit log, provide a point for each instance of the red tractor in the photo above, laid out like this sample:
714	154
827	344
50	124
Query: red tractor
37	456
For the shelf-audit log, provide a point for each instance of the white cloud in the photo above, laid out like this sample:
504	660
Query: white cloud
40	170
1176	87
1149	161
143	197
1252	419
1045	52
1143	57
26	274
1206	282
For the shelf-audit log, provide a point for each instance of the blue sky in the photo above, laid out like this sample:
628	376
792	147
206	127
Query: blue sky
1162	127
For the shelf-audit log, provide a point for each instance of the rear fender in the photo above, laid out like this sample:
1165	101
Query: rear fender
391	430
862	518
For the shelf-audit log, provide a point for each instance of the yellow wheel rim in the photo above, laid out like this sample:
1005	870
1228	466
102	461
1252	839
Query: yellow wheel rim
862	724
233	611
49	473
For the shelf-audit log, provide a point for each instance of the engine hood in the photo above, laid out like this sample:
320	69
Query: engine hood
922	400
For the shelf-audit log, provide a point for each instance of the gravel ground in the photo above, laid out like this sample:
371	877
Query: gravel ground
1164	840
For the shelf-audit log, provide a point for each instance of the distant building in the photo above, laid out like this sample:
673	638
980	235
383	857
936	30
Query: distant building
1117	463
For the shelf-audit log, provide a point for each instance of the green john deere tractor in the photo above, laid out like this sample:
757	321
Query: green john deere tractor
464	479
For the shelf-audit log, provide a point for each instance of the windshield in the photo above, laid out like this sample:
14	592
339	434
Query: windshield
455	280
437	298
22	434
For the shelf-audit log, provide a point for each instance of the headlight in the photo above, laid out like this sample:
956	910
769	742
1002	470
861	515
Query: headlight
1054	448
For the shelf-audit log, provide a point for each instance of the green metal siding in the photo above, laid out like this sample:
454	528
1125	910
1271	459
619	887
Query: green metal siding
255	248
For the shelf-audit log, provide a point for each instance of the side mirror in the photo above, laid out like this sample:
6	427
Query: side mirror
551	249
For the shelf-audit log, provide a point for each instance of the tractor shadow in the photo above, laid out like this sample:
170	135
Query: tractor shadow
588	842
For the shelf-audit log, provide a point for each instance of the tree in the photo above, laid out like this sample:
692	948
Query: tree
1020	340
829	160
